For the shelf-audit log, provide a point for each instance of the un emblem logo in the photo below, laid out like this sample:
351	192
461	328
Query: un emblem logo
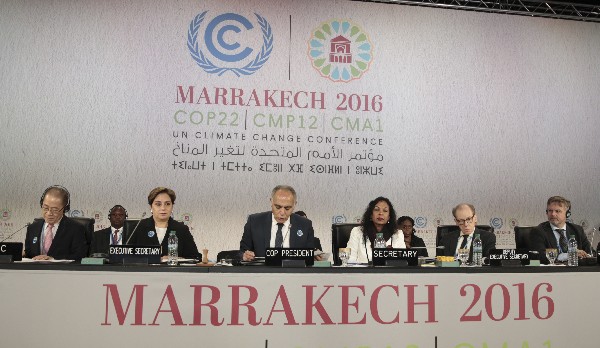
220	39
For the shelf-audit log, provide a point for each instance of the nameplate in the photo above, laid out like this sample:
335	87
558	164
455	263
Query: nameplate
509	257
275	257
14	250
130	254
394	257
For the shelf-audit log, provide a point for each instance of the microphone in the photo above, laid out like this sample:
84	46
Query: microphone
12	234
135	229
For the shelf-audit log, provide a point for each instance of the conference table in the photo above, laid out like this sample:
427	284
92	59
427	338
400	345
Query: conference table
258	306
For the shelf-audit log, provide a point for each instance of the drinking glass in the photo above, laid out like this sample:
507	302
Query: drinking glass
551	254
463	256
344	255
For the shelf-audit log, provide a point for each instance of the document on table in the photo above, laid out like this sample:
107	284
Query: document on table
26	260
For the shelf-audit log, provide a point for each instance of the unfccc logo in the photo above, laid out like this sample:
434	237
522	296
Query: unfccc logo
339	219
496	223
221	37
420	222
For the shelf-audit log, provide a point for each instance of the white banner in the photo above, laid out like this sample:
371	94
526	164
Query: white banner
57	308
344	100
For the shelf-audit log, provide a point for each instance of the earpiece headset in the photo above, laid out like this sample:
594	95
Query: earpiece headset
117	206
60	188
568	213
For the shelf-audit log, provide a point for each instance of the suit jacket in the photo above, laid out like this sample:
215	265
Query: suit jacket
542	237
101	240
418	242
257	233
450	240
146	235
68	242
318	244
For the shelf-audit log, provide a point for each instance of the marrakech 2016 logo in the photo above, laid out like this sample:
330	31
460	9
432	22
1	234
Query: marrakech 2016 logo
221	52
5	214
340	50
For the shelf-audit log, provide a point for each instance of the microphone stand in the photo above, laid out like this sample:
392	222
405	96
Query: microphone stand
12	234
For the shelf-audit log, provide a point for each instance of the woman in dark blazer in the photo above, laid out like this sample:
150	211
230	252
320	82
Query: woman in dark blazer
406	224
155	230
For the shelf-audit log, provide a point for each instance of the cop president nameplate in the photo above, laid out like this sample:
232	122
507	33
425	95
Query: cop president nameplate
395	257
134	254
293	257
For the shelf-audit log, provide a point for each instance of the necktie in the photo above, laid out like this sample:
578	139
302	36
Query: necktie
48	239
463	244
279	236
116	237
562	240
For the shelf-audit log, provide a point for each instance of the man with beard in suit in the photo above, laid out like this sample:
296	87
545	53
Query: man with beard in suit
556	232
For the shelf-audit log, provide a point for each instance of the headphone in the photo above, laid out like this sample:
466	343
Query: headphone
67	206
568	213
117	206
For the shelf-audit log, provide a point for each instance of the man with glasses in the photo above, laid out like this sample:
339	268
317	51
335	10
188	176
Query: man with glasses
466	219
555	233
57	236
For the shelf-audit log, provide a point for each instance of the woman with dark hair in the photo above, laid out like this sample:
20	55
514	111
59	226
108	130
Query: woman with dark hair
155	229
379	217
406	224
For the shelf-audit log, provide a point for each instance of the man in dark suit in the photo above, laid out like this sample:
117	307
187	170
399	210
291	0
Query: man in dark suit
113	235
278	228
57	236
556	232
466	219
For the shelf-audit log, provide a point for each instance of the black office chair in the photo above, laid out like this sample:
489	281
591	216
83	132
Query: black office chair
522	234
442	230
340	234
87	223
129	226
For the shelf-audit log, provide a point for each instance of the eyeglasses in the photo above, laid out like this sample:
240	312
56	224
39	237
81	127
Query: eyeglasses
52	210
464	221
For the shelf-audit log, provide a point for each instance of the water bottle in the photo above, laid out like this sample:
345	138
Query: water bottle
572	259
379	241
173	244
477	251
